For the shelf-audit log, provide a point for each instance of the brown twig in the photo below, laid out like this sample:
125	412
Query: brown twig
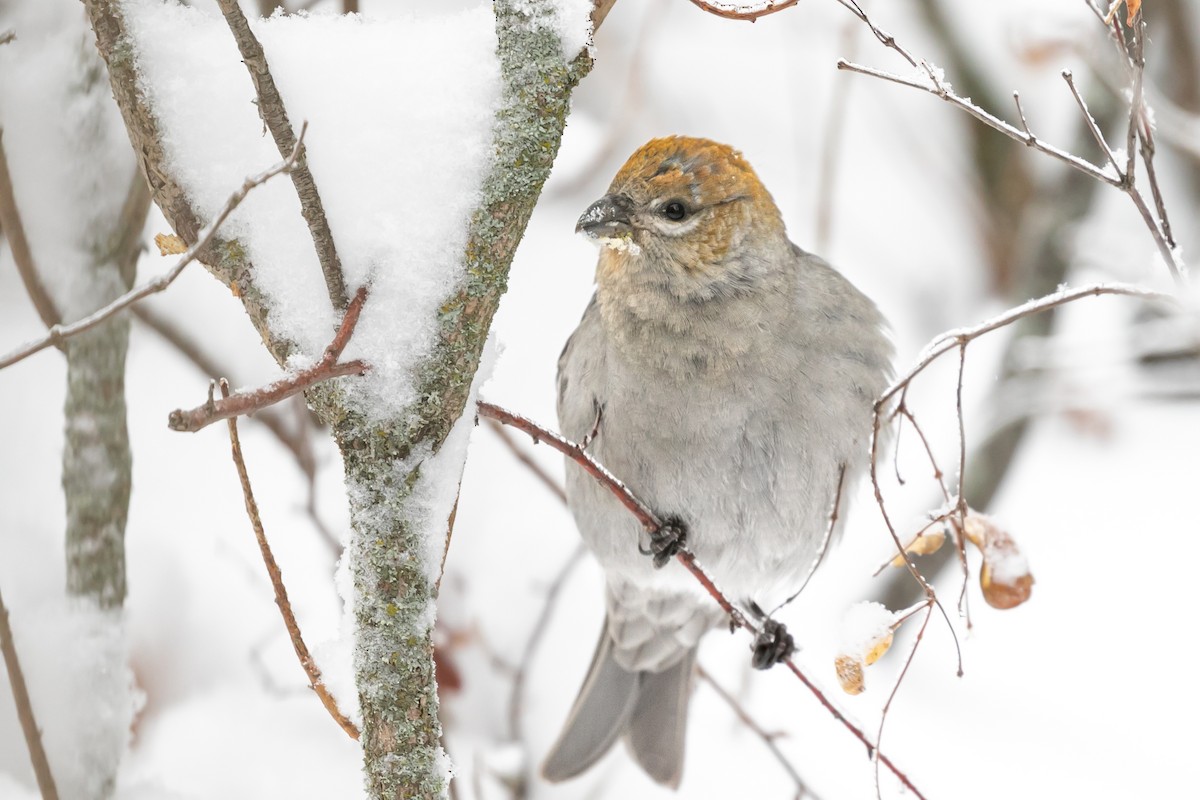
281	597
543	477
33	737
274	116
887	706
14	231
60	333
833	518
240	403
294	437
650	521
768	739
7	36
517	698
747	13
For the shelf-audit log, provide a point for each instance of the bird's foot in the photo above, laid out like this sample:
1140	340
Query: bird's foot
669	539
772	645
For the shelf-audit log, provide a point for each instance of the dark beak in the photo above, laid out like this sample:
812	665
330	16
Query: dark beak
607	218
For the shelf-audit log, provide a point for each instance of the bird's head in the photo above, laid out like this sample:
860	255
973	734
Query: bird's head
687	213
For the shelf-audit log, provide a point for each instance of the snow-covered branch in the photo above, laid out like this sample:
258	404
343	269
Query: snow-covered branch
60	333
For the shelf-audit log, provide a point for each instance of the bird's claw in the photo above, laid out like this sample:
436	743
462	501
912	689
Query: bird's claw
667	541
772	645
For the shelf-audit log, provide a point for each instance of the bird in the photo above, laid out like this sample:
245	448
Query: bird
728	378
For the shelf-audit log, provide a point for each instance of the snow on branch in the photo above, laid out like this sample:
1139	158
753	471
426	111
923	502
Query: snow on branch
60	333
743	11
275	116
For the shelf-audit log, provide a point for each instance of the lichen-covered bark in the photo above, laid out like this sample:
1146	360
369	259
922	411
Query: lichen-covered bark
394	579
395	585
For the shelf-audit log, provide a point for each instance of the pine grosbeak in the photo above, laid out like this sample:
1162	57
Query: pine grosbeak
733	375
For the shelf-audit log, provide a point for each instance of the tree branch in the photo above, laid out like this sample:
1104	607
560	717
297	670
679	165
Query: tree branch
315	681
14	231
768	739
950	340
1120	178
29	727
241	403
60	333
274	115
652	524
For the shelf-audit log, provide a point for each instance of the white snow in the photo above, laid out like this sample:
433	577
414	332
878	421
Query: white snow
399	114
207	645
863	625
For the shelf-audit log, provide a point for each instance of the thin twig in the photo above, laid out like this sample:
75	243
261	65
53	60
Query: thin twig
539	472
274	116
516	700
768	739
945	342
311	669
7	36
651	523
825	540
29	727
60	333
14	231
1083	165
239	403
294	437
832	141
747	13
1094	128
1122	179
887	706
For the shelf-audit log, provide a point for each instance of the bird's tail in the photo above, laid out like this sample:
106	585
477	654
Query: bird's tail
648	708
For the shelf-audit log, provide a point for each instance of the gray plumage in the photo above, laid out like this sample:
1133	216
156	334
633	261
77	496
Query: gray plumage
733	388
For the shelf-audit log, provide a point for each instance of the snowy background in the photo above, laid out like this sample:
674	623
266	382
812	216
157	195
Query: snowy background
1083	691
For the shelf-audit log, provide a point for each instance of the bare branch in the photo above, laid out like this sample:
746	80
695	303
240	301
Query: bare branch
29	727
274	115
534	467
14	231
887	706
296	444
241	403
311	669
833	518
768	739
652	524
1123	178
516	700
1093	127
945	342
990	120
7	36
60	333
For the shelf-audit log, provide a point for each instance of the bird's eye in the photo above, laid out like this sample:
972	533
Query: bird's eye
674	211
